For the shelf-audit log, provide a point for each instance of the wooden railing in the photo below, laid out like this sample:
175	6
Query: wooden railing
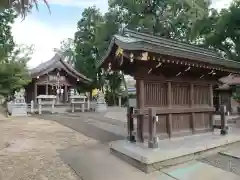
152	114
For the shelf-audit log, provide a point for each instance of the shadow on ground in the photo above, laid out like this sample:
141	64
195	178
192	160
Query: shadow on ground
82	126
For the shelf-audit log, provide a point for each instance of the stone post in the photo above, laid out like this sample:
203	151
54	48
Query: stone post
152	120
83	107
32	106
53	102
119	101
39	106
224	128
72	106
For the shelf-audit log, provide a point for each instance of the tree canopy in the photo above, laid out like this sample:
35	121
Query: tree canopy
22	7
221	31
13	58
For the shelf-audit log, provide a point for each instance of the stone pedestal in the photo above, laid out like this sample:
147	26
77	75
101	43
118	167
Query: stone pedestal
78	100
101	105
46	100
18	106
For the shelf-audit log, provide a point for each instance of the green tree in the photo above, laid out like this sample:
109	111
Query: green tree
6	39
221	31
21	6
13	59
86	50
112	86
67	51
13	70
167	18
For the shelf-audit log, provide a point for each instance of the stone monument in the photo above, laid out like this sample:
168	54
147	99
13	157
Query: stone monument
18	106
101	105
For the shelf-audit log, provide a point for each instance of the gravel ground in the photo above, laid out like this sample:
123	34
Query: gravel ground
28	149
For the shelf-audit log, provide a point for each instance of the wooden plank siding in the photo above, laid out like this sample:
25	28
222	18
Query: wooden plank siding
182	108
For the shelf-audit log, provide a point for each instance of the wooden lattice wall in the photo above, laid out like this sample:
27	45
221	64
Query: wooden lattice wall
182	107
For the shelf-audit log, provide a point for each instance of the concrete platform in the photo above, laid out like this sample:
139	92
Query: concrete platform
234	153
174	151
199	171
96	163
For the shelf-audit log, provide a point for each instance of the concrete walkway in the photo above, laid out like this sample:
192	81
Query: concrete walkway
96	163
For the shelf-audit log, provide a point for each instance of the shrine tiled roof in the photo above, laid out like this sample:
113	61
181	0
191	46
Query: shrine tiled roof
136	41
53	63
231	80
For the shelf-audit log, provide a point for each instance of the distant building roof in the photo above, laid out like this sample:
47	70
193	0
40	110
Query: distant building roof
230	80
224	87
57	62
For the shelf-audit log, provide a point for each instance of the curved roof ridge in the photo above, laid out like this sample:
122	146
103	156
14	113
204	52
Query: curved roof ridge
157	39
56	58
74	70
45	64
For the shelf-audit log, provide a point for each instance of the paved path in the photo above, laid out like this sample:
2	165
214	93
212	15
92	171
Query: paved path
99	128
96	163
228	161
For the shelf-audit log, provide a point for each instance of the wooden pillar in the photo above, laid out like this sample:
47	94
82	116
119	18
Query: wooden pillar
152	142
224	128
191	106
211	105
46	89
130	123
211	95
35	92
65	93
169	103
140	90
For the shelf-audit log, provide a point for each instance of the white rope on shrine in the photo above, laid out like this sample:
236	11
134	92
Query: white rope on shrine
187	69
158	65
150	70
178	73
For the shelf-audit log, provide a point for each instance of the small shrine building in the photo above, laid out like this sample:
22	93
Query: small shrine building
224	94
174	78
54	77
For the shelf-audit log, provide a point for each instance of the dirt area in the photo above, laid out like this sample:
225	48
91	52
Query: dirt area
29	149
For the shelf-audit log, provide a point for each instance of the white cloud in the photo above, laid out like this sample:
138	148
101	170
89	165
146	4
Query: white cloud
101	4
219	4
44	37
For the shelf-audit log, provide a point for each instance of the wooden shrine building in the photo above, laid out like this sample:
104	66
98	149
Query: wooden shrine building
223	95
54	77
174	78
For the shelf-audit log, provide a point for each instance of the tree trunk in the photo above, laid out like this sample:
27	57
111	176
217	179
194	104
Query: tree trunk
114	99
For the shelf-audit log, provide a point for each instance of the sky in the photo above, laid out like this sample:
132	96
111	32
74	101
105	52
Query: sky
46	30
